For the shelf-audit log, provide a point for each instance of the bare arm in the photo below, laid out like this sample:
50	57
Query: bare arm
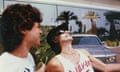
54	66
112	68
100	65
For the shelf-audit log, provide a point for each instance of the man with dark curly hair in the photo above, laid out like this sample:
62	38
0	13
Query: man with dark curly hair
21	31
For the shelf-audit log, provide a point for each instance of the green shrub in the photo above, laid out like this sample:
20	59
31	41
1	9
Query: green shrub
112	43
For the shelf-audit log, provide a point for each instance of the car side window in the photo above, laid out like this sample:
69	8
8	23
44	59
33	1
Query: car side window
89	41
86	40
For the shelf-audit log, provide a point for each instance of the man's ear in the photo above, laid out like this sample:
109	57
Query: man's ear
23	31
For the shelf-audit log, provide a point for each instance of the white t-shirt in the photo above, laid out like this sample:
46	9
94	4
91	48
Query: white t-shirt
84	64
11	63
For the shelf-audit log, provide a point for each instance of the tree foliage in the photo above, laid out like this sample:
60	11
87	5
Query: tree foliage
65	16
111	16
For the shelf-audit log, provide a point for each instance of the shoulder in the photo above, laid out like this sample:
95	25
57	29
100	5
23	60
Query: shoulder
53	62
6	65
2	61
54	65
91	57
84	51
3	57
30	57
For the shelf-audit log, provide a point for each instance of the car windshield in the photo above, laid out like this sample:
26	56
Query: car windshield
87	40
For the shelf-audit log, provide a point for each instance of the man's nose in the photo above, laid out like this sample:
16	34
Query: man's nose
41	31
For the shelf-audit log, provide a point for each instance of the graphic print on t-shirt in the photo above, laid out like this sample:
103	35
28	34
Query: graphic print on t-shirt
27	70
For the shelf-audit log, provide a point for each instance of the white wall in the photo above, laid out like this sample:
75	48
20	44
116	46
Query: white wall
51	10
1	4
48	11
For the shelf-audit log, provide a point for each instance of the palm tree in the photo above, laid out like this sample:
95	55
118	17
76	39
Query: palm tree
65	16
111	16
91	15
79	23
101	33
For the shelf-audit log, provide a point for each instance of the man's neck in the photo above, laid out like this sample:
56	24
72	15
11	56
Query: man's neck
21	52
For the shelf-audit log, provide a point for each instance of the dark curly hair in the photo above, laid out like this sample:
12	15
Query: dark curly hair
52	37
15	18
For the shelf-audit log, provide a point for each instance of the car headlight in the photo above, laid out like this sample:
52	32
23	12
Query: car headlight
110	59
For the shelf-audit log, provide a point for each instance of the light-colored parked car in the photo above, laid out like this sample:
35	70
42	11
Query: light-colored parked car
94	46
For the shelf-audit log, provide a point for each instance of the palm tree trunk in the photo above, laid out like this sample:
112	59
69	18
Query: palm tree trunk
93	25
113	32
